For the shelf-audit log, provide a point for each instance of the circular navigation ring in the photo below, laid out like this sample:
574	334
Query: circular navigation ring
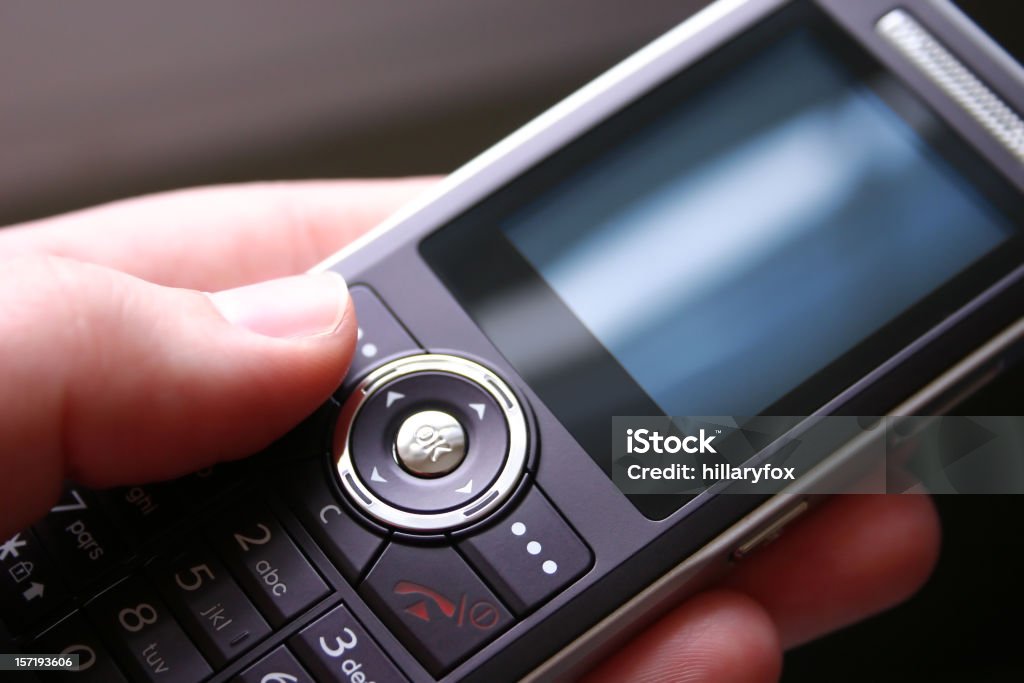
493	428
376	436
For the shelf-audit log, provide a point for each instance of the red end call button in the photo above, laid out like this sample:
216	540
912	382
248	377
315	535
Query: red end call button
434	603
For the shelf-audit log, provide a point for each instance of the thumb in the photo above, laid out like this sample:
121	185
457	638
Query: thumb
108	379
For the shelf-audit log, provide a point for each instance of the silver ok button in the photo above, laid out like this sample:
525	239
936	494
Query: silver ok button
430	443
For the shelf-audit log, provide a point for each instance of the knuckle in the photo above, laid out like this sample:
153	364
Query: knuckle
38	282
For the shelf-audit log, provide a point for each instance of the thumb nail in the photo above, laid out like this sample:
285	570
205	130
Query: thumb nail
289	307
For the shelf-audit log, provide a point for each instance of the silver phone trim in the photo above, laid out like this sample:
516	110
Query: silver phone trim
941	67
974	33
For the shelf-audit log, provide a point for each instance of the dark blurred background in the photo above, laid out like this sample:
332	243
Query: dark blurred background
113	98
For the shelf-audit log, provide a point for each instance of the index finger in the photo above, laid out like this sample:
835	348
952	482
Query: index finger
218	237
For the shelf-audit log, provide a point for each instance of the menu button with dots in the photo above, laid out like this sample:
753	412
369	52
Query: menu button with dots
534	548
529	555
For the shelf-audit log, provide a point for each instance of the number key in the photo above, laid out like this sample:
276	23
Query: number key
280	666
338	649
209	603
139	626
75	636
270	567
141	511
78	534
30	588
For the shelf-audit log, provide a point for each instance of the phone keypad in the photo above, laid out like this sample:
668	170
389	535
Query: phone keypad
259	567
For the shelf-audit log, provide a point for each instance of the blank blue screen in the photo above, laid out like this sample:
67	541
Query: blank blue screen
755	234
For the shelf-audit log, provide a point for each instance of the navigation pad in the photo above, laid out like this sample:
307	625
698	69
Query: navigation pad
430	442
373	441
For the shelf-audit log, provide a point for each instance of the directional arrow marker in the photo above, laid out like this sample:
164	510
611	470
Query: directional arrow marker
419	610
375	476
33	591
479	408
392	397
468	488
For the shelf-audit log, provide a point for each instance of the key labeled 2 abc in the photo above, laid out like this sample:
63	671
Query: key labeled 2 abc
270	568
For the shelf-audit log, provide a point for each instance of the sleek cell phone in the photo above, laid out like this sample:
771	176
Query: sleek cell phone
778	208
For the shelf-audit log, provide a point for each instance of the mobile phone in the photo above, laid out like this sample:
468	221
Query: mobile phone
806	207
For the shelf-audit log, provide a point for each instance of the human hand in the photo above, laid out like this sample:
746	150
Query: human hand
118	371
853	557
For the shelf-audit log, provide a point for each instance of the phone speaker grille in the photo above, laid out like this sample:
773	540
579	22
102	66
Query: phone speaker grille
939	65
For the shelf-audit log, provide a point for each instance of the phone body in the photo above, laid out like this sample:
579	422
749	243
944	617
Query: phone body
450	514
